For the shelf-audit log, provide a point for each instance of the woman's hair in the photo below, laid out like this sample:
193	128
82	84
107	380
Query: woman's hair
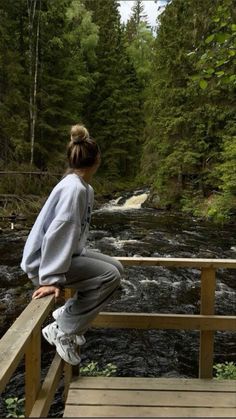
82	151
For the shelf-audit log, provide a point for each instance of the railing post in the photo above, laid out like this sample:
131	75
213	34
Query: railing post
208	285
32	370
67	368
69	371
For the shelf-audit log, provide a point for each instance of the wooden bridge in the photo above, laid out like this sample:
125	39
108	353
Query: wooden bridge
129	396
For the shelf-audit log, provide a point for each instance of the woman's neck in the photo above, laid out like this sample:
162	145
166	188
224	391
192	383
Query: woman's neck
85	175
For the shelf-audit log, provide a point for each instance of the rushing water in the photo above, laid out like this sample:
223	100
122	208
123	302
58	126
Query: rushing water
125	231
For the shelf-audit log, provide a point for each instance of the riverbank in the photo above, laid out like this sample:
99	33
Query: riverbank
25	195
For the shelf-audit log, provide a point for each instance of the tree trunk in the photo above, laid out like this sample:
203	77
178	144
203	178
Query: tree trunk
33	69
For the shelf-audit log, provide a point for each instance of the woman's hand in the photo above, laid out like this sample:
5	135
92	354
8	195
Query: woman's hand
46	290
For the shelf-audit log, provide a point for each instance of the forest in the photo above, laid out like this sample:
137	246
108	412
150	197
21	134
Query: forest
159	101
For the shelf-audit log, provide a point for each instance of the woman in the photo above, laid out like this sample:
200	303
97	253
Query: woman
55	255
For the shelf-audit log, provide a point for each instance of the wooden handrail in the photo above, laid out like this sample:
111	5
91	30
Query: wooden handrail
24	336
164	321
178	262
14	343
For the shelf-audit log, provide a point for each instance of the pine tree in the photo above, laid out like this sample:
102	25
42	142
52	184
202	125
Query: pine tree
113	108
138	13
45	52
185	124
13	85
68	46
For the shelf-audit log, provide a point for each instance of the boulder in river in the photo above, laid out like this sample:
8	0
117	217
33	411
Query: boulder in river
153	201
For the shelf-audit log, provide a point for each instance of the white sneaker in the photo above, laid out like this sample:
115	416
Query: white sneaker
50	333
65	344
80	339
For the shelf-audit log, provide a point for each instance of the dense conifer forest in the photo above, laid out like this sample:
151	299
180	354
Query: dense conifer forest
160	101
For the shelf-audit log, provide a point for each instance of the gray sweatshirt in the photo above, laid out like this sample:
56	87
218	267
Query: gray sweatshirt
59	232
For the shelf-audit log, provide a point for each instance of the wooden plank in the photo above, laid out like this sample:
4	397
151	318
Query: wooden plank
150	383
48	389
178	262
73	411
151	398
164	321
32	370
13	343
206	354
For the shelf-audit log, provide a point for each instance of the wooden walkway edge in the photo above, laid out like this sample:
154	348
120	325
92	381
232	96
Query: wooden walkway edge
150	397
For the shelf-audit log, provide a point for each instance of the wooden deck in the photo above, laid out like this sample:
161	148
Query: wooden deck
150	397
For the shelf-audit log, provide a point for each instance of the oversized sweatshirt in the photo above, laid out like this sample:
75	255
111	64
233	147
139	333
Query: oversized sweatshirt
59	232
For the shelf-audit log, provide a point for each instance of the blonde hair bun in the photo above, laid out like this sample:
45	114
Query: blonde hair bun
79	134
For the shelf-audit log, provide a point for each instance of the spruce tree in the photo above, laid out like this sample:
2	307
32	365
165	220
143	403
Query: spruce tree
185	122
13	82
113	107
44	77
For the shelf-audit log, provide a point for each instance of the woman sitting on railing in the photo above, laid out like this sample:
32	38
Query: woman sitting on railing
55	255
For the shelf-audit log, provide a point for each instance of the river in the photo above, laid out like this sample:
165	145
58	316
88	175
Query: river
122	228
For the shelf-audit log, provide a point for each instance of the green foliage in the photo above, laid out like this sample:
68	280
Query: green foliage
113	108
188	153
164	103
15	407
140	50
226	371
217	52
92	370
67	42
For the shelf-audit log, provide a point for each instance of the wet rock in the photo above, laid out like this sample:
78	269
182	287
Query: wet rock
11	275
153	201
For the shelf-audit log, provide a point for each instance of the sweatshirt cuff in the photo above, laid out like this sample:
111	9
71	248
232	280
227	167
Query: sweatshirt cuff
57	280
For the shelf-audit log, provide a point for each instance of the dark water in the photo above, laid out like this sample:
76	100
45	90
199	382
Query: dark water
137	232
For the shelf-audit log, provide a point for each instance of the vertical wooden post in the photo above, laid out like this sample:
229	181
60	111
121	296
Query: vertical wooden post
208	285
67	379
67	368
32	370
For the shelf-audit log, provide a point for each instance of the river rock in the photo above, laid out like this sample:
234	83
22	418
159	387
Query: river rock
153	201
11	275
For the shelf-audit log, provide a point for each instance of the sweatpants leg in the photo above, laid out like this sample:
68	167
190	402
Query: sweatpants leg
95	277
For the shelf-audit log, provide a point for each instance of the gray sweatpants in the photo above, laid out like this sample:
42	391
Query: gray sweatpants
95	277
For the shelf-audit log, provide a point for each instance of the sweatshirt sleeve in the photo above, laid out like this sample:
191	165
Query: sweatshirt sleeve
61	238
58	246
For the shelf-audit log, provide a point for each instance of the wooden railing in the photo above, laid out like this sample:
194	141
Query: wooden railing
24	336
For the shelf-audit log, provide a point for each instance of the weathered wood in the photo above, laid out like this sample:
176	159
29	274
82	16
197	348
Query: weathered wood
178	262
32	369
67	379
150	383
13	343
208	285
150	398
73	411
68	369
42	404
164	321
